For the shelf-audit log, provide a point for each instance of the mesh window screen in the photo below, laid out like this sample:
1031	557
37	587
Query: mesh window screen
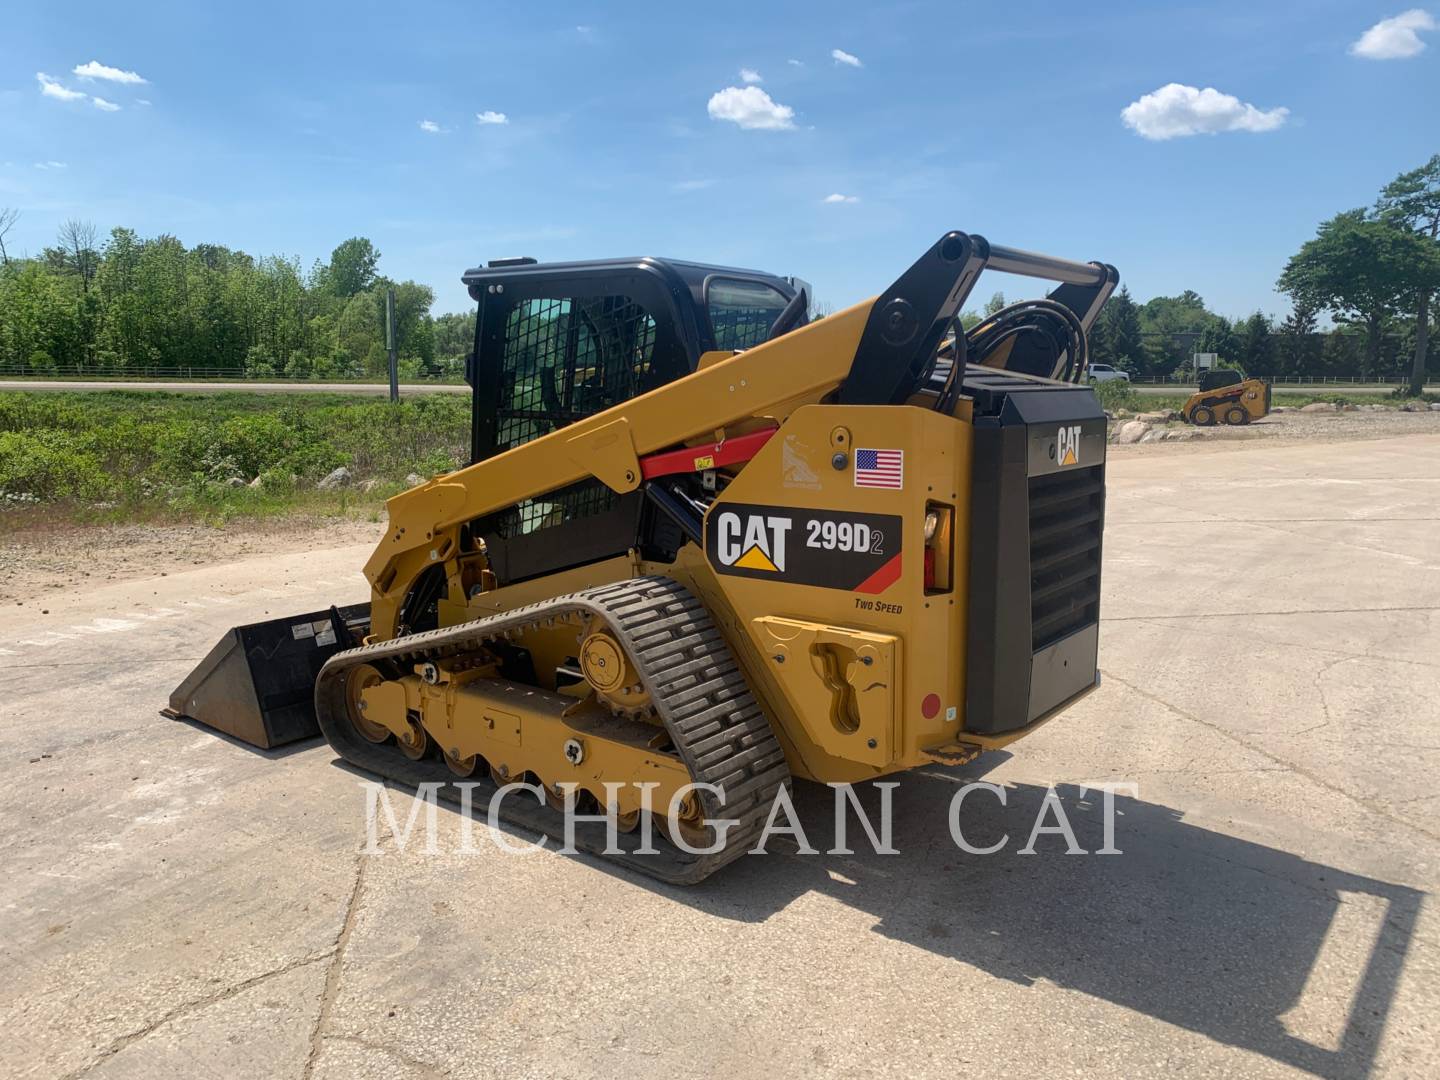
742	312
563	360
566	359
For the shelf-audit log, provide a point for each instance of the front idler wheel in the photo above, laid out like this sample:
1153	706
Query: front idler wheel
359	680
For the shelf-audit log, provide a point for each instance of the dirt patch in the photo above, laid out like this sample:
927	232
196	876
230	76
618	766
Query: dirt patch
38	558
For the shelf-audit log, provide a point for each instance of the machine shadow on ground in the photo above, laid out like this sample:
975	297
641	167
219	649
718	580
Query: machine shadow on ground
1205	931
1211	933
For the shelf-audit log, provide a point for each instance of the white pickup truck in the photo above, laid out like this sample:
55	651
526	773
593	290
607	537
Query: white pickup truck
1105	373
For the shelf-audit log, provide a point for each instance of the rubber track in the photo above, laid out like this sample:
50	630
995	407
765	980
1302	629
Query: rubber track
697	689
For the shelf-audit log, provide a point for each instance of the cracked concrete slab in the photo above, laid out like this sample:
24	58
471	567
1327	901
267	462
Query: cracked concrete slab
177	904
255	1029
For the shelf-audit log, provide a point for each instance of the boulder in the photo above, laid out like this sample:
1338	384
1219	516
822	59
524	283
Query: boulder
1282	408
1410	406
1435	406
1320	406
1132	431
256	483
368	486
1154	417
414	480
337	479
236	482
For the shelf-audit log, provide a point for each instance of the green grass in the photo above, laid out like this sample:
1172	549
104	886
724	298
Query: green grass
132	455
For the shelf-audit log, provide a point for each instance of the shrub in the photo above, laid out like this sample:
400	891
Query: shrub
1116	394
150	451
47	465
1403	393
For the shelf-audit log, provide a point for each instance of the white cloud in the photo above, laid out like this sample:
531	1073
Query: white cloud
750	75
103	105
490	116
840	56
96	70
50	88
1176	110
430	127
142	101
693	185
51	165
1394	38
750	107
585	31
795	63
838	198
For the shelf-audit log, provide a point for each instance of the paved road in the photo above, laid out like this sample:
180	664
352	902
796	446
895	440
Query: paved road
177	905
190	387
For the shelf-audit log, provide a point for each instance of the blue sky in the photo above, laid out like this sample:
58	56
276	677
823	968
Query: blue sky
285	128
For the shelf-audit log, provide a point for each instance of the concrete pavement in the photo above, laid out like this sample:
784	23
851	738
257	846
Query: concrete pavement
179	905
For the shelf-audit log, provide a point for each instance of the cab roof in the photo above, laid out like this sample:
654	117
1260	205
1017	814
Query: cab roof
675	273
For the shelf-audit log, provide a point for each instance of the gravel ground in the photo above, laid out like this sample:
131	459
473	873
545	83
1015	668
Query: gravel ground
40	558
1289	425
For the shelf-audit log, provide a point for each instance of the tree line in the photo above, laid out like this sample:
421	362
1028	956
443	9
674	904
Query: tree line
129	304
1373	271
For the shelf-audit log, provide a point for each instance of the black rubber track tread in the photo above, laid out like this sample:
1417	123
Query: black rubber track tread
718	729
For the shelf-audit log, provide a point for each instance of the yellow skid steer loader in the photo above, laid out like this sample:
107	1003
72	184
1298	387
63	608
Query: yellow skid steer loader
706	544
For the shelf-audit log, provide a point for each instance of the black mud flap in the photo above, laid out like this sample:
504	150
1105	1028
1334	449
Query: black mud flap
258	682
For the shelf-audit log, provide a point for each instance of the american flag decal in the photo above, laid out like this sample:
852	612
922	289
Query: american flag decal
880	469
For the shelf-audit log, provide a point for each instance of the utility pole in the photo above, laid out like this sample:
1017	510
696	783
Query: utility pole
390	344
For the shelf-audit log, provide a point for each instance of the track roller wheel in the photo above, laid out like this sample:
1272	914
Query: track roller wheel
689	824
465	766
415	742
360	679
627	822
555	797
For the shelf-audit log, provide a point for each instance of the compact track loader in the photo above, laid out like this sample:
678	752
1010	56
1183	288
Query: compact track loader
1228	397
705	545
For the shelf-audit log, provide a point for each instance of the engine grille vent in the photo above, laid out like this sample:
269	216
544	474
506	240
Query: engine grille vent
1066	516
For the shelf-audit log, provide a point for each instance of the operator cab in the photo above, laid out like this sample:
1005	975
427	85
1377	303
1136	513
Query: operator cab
557	342
1214	379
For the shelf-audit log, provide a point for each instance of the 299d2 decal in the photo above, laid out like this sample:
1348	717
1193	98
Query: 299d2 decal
832	549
